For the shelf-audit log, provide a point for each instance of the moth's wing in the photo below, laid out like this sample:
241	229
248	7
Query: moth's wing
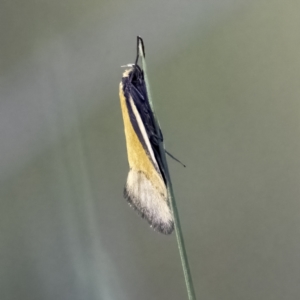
145	188
139	95
148	201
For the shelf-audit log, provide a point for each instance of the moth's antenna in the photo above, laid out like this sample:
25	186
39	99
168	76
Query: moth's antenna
139	39
139	42
137	51
176	159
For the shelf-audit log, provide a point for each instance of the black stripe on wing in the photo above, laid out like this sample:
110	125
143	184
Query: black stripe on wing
134	86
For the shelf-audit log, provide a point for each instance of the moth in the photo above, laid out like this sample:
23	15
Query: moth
146	185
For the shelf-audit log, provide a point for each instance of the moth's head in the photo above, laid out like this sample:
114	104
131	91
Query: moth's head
129	69
127	72
134	72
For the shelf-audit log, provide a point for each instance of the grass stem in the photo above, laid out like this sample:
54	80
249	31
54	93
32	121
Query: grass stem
171	196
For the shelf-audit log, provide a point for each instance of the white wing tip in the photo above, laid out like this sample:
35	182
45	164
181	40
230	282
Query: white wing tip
150	202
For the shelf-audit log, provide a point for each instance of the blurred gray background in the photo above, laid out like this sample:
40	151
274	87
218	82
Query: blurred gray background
225	80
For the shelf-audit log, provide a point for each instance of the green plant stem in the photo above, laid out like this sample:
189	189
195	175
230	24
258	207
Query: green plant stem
171	197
